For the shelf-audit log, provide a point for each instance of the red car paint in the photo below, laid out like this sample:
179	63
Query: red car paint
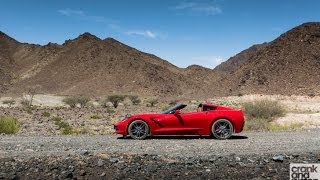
191	123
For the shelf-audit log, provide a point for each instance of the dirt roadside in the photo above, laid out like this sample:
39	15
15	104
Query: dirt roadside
253	155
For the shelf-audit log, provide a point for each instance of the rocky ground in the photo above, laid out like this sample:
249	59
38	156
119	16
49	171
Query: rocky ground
254	155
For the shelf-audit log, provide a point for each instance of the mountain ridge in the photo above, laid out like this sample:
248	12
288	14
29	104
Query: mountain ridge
89	65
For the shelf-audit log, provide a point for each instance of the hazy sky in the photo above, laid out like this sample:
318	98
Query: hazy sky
203	32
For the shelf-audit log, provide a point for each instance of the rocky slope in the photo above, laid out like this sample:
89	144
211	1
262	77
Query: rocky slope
90	66
288	65
239	59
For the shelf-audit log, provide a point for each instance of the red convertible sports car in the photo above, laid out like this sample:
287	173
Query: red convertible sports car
210	119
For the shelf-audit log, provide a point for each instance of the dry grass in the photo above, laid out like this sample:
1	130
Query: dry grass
278	127
9	125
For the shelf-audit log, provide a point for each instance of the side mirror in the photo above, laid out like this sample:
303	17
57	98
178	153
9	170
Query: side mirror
177	112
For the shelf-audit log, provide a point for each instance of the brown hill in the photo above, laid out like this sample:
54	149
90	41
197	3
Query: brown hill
7	48
288	65
236	61
88	65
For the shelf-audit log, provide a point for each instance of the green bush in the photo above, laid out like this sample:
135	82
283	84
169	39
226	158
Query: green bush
83	101
64	127
135	100
67	130
9	125
56	119
46	114
74	100
116	99
263	109
260	113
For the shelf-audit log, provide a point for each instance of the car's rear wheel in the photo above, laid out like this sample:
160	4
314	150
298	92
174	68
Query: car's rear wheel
138	129
222	129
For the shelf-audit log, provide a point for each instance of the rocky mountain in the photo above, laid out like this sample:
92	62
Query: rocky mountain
91	66
236	61
7	48
288	65
88	65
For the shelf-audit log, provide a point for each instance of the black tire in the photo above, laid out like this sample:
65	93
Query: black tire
138	129
222	129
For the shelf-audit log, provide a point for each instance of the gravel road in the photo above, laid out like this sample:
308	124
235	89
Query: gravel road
244	143
253	154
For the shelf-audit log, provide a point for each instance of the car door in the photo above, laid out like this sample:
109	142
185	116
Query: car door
193	122
183	123
167	124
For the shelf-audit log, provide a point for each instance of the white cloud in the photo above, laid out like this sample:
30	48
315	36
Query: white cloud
84	16
209	10
198	8
71	12
185	5
146	33
208	61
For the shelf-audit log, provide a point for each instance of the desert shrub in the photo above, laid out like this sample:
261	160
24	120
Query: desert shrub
71	101
9	125
83	101
95	116
9	102
135	100
264	109
46	114
64	127
67	130
152	102
116	99
75	100
56	120
28	96
260	113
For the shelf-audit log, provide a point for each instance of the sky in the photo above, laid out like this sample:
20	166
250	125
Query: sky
184	32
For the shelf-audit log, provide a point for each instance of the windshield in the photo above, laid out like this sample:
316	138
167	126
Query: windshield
174	108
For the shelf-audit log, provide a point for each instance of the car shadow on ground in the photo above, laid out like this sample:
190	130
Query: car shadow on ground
234	137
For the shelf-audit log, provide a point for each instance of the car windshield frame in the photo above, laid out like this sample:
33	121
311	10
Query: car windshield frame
174	108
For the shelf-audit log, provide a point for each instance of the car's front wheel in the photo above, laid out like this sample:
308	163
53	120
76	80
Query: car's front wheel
222	129
138	129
